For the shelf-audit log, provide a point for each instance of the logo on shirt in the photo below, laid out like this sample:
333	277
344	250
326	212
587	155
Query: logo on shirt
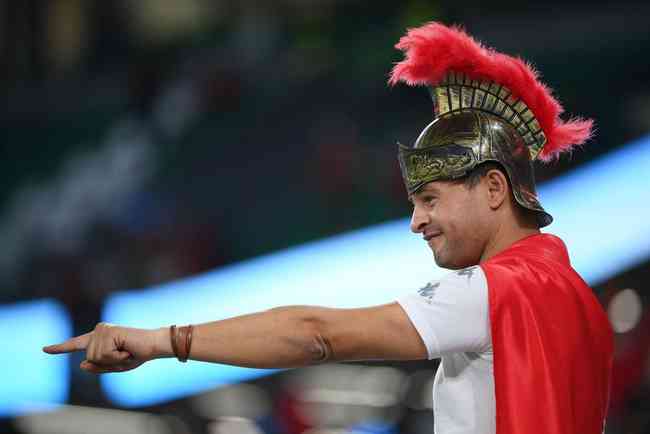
428	291
469	272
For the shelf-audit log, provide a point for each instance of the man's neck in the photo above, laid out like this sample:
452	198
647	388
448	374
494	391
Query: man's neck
504	239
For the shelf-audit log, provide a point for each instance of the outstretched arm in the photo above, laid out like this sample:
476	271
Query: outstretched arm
278	338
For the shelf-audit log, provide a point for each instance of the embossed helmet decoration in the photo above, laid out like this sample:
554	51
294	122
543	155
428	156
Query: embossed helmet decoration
487	106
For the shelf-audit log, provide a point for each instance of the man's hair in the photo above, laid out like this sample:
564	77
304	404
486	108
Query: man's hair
472	179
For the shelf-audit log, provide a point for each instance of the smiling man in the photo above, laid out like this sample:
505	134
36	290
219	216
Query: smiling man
525	345
465	225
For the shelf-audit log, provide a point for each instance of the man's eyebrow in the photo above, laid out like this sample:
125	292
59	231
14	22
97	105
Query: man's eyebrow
429	189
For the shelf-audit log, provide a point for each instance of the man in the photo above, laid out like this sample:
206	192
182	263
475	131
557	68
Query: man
525	346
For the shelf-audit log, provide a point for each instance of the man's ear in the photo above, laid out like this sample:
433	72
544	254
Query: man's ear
497	187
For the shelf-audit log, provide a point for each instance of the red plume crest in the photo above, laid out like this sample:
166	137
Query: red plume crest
435	49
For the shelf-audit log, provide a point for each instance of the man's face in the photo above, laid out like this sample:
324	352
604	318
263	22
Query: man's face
453	220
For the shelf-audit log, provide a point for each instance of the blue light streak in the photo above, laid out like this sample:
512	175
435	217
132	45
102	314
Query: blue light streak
32	380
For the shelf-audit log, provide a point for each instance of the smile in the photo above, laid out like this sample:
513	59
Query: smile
429	237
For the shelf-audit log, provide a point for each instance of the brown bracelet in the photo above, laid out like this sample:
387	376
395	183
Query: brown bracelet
188	341
181	340
172	338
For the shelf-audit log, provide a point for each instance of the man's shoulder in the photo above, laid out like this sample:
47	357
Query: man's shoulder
458	283
534	249
533	273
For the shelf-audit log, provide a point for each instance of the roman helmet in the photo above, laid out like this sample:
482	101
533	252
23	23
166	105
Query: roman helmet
487	106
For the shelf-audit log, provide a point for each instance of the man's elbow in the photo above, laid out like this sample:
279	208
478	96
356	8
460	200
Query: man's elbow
308	333
318	346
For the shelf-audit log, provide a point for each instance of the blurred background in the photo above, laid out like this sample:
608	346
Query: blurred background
155	142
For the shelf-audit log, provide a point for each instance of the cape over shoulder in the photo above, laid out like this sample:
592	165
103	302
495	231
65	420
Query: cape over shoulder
552	342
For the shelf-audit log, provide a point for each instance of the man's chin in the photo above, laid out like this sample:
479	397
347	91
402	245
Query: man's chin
443	262
440	262
439	257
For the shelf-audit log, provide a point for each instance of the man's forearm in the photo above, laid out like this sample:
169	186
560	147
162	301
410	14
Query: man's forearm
278	338
284	337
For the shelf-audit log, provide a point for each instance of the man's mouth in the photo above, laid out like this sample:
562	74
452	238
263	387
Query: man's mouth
429	236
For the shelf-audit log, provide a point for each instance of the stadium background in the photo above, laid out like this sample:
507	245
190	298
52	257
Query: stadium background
151	141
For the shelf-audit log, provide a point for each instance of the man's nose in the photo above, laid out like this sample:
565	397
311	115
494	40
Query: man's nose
419	220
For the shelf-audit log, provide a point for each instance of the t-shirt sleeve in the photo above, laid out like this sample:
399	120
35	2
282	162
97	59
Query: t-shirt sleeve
452	314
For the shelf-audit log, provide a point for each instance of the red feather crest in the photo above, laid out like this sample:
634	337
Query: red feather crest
431	51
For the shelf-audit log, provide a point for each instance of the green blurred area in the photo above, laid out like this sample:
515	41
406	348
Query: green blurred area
293	135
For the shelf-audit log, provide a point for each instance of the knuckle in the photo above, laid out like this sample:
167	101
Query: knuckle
104	328
103	325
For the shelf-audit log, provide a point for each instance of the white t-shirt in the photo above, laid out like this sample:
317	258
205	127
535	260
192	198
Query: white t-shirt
452	317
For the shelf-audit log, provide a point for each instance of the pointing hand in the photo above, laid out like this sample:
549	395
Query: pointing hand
111	348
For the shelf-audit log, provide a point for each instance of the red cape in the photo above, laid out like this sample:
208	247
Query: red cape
552	343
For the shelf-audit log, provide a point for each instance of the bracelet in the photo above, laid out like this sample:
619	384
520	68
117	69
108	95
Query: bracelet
188	341
172	338
181	341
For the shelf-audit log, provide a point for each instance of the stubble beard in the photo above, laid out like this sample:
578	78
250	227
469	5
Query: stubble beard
439	260
442	260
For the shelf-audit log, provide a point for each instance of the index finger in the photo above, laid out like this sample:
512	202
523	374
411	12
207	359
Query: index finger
78	343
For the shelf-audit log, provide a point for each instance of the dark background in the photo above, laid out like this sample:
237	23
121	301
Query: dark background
149	140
